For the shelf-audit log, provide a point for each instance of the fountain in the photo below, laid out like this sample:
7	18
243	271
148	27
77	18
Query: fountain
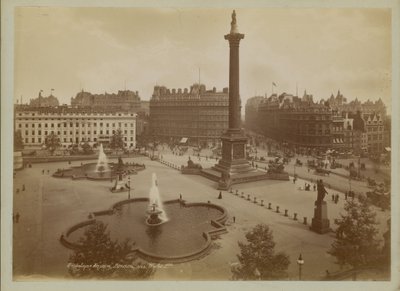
102	161
155	210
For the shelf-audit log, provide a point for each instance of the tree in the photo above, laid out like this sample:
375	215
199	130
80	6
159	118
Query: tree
356	243
52	142
257	259
87	149
18	142
101	257
117	141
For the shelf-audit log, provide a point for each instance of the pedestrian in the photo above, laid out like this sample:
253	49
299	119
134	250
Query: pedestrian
42	172
17	217
337	198
308	170
23	187
180	196
220	195
333	197
234	219
315	187
345	195
294	180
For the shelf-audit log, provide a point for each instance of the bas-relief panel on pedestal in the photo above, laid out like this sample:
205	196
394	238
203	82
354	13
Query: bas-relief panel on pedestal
238	151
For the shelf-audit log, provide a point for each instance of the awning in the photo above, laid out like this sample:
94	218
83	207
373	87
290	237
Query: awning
388	149
184	140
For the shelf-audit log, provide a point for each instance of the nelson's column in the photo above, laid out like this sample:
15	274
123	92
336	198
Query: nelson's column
233	167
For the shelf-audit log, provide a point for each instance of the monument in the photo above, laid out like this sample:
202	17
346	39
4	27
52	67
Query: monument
233	167
320	221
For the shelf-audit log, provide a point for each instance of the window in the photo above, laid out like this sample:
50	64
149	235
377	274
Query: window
107	131
125	139
125	132
26	132
65	139
131	131
131	124
19	126
95	131
33	125
26	125
39	132
39	140
33	132
26	140
101	132
52	125
45	125
131	138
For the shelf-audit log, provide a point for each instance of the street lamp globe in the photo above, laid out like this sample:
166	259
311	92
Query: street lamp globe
300	260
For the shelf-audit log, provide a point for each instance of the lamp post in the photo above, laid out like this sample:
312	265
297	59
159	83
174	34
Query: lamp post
300	262
129	187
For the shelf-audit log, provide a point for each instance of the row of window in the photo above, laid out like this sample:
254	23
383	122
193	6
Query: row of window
52	125
40	140
39	132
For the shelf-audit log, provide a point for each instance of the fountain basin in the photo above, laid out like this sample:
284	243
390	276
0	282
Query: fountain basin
186	236
89	171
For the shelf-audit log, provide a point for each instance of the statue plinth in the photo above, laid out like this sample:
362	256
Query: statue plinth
320	221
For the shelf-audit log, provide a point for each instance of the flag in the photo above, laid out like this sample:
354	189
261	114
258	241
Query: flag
273	83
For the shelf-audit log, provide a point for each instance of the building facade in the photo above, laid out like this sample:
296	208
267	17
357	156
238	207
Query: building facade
197	114
251	112
374	128
124	100
73	126
297	122
40	101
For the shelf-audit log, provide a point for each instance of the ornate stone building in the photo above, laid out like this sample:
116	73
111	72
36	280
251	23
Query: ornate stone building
251	112
40	101
73	125
298	122
197	114
125	100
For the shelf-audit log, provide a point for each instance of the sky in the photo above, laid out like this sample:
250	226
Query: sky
109	49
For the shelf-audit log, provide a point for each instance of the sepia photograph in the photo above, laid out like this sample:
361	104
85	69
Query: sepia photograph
231	143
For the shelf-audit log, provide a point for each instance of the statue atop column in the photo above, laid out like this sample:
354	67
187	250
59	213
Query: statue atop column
234	28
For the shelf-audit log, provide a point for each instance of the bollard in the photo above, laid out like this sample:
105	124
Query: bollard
262	202
269	205
286	211
295	216
277	209
248	197
255	200
305	221
237	192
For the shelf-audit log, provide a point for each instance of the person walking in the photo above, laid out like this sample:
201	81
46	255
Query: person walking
234	219
220	195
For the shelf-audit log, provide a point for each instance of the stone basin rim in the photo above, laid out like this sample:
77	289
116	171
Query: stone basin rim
217	223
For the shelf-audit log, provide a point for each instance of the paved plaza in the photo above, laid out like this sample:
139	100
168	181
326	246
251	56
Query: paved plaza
50	205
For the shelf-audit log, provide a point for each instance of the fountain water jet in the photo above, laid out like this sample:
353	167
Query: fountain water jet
155	210
102	161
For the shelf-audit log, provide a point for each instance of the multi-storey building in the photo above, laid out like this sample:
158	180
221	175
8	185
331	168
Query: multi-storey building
338	131
251	112
40	101
125	100
375	133
73	125
196	114
298	122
